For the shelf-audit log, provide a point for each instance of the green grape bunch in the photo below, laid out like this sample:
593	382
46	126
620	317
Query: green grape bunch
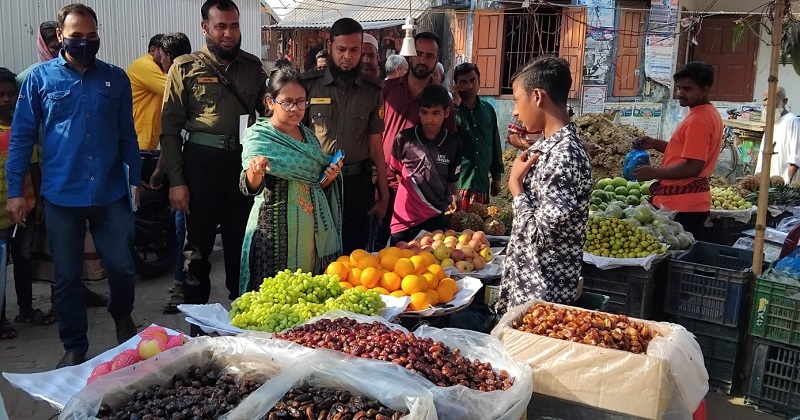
291	298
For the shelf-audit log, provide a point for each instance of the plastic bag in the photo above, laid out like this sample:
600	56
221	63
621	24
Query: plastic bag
458	402
669	381
633	160
243	358
396	389
787	224
789	266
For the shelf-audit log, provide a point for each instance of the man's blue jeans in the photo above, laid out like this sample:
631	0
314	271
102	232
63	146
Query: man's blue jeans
112	228
180	233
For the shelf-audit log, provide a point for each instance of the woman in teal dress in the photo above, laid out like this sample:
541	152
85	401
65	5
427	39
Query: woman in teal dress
296	221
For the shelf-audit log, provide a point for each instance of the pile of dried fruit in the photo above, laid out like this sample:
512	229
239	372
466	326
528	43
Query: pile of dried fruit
202	395
587	327
615	141
431	359
314	403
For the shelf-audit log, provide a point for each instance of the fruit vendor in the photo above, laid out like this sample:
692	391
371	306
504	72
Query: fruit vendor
786	156
477	125
691	153
551	183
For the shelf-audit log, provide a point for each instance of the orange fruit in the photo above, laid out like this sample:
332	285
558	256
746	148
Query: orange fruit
357	255
419	301
345	285
431	280
445	294
381	290
370	277
337	269
429	258
362	288
355	276
344	259
398	293
437	270
382	253
390	281
404	267
388	262
393	250
413	283
433	297
407	253
449	283
419	264
368	261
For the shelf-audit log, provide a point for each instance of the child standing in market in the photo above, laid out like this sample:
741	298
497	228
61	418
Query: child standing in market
551	182
18	239
426	160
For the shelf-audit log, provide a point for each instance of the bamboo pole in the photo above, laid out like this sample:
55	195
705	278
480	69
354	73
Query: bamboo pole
769	132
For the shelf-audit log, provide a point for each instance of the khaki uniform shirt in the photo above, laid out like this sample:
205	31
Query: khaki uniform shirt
196	101
344	117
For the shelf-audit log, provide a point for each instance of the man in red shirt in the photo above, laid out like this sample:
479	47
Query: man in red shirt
401	107
691	153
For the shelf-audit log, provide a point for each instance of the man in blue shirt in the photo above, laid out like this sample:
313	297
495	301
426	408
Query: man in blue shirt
84	107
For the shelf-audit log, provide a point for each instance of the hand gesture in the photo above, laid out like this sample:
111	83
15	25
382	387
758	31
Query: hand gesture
645	143
258	165
17	210
519	170
456	96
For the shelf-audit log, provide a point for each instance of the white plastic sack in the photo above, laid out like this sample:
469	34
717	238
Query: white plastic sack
57	386
606	263
242	357
392	385
457	402
671	374
492	269
742	216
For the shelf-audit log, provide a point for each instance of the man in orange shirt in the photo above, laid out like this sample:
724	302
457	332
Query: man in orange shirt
691	153
147	83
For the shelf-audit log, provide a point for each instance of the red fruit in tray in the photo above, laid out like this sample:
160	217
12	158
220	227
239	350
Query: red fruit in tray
154	331
99	371
176	341
126	358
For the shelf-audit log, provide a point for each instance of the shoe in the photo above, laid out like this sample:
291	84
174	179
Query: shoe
126	328
71	359
195	331
94	299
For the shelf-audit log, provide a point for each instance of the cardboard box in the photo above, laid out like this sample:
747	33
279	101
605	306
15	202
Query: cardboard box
638	385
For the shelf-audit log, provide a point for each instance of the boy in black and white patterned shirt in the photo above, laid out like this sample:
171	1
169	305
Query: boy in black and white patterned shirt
551	183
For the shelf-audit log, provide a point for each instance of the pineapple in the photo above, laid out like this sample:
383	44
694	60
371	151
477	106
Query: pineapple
748	184
494	227
479	209
455	221
776	181
472	222
492	210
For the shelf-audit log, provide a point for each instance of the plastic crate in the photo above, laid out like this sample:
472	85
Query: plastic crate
545	407
630	289
726	231
592	301
776	312
720	346
773	221
708	283
775	379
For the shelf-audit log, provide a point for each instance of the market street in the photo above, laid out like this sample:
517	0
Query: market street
37	349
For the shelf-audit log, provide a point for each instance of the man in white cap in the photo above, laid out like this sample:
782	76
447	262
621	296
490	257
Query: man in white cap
369	57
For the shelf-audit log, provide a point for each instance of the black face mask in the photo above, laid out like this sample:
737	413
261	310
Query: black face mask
82	50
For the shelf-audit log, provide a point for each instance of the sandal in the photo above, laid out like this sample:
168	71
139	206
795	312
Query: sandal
35	317
6	330
176	299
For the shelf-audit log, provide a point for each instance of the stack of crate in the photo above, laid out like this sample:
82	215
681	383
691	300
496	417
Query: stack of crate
775	320
705	293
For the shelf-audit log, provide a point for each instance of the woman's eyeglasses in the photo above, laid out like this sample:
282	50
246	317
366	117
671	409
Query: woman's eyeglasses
288	105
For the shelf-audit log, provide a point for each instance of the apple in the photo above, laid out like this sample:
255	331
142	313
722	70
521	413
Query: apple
464	238
450	232
428	249
467	232
464	266
416	248
480	246
479	235
412	243
450	241
474	242
441	252
438	236
425	241
148	348
478	262
487	254
402	245
447	262
468	251
457	255
437	232
436	244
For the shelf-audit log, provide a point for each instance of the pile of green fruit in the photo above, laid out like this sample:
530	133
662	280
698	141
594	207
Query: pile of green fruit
608	190
292	298
654	222
616	238
728	199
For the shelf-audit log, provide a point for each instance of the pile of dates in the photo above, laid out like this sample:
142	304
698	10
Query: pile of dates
587	327
200	395
431	359
312	403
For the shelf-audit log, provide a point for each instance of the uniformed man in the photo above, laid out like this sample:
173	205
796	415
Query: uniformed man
346	112
206	94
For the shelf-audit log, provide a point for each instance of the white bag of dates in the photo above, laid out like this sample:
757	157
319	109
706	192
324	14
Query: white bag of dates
470	374
205	378
602	360
325	384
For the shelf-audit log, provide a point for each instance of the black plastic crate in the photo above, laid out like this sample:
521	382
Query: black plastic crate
708	283
720	346
773	221
545	407
775	379
726	231
630	289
